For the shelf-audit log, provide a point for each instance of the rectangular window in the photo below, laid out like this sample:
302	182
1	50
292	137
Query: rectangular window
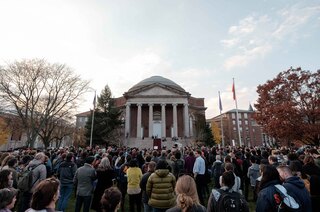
245	115
233	115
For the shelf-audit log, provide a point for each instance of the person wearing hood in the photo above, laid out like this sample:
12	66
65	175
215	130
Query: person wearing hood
160	188
39	173
295	187
39	169
253	174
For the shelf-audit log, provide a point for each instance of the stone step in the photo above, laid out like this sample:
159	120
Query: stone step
148	143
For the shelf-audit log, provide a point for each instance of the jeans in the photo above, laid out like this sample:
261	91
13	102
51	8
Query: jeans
65	192
86	200
147	208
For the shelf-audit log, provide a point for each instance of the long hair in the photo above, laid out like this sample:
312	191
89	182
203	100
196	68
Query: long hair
308	160
3	156
186	191
6	159
269	173
4	178
44	193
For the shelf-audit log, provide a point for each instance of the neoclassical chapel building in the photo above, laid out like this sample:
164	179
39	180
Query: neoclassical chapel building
157	107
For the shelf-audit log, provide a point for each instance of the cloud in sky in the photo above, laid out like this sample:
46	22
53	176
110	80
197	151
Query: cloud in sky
293	18
196	45
256	35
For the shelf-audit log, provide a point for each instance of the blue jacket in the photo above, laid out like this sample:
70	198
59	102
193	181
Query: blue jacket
295	187
266	201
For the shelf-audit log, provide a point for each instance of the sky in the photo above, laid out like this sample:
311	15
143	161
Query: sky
201	45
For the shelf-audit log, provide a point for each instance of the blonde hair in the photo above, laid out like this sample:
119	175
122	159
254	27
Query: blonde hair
104	164
40	156
186	191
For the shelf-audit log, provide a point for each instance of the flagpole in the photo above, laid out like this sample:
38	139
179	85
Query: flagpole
92	121
237	114
221	124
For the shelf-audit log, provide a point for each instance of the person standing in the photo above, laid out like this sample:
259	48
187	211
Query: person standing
111	199
134	175
66	172
295	187
143	186
160	188
217	170
189	163
45	196
187	196
221	199
253	173
83	179
105	175
199	169
39	173
266	200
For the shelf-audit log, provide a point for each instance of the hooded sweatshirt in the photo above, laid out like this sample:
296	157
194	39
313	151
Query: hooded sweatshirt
296	188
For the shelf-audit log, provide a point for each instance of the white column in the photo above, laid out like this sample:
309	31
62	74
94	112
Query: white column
150	120
186	120
191	126
127	123
175	121
163	120
139	121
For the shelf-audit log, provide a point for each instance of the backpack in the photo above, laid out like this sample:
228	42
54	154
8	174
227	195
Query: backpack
217	169
231	201
25	179
284	201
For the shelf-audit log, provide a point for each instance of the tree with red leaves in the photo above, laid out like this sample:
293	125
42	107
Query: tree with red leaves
288	107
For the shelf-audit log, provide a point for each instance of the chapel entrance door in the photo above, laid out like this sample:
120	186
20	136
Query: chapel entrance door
157	129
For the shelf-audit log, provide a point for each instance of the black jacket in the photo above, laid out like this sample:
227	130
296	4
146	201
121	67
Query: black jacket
66	172
266	201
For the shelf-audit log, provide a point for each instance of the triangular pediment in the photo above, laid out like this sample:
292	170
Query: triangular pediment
157	90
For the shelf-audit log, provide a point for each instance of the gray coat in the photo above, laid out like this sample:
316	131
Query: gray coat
83	179
253	173
39	172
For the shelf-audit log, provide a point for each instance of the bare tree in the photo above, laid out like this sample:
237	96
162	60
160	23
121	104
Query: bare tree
40	93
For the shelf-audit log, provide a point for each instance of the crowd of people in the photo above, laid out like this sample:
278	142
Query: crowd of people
172	180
